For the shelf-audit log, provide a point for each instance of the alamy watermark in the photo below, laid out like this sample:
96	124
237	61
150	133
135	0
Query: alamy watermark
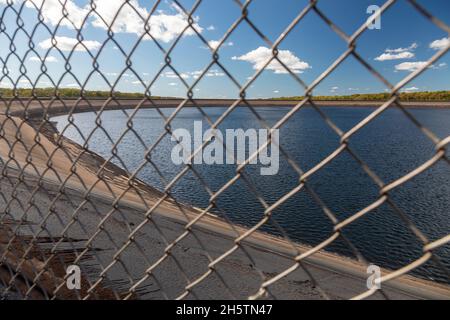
73	281
374	280
374	21
261	146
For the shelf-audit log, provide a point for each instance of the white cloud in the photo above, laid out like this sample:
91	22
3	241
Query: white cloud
68	44
25	82
261	55
5	84
211	28
44	83
52	12
395	56
173	75
48	59
162	26
410	66
440	44
215	43
196	74
140	83
276	91
413	46
413	66
215	73
173	84
410	89
334	89
131	18
71	85
193	74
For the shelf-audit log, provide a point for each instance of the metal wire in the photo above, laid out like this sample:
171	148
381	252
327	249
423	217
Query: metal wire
30	267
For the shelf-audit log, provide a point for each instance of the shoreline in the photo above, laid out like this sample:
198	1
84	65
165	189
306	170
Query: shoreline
29	108
89	163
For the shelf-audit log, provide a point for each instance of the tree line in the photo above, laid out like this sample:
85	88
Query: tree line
76	93
66	93
404	96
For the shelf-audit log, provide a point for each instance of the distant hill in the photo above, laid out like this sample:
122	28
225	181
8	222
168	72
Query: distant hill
411	96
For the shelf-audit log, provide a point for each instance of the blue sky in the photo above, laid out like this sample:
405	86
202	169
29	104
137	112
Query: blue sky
406	39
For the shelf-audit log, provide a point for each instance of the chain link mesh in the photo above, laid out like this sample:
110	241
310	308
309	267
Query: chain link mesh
127	264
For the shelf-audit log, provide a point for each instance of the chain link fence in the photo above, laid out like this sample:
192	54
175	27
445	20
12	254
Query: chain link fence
62	205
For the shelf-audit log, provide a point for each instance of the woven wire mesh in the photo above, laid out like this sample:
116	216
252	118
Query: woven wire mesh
34	268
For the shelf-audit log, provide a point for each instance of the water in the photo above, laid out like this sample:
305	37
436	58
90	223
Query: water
391	146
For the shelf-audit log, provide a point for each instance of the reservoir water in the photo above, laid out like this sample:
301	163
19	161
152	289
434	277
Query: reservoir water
391	146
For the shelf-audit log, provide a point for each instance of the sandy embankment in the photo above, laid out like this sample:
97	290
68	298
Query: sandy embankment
341	277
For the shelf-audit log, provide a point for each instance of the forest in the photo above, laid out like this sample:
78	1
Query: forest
6	93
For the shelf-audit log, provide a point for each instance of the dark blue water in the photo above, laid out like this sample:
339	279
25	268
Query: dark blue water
391	146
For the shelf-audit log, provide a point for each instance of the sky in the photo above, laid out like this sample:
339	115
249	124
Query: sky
131	60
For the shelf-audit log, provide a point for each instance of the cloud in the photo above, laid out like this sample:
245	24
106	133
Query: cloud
140	82
130	19
411	89
52	12
410	66
413	66
173	75
25	82
48	59
215	73
211	28
69	44
5	83
196	74
440	44
215	43
413	46
334	89
276	91
193	74
44	83
397	54
261	55
71	85
173	84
